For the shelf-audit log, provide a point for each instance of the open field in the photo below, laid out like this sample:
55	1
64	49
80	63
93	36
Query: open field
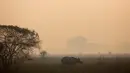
90	65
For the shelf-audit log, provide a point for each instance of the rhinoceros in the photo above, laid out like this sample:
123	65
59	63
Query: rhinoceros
71	60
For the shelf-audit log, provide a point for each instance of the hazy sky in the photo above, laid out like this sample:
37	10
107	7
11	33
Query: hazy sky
105	23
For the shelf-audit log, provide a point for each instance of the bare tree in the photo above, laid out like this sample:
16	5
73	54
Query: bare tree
15	43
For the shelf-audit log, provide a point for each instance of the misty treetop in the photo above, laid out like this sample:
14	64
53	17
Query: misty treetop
78	42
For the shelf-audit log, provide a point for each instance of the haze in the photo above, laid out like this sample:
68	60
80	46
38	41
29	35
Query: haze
104	23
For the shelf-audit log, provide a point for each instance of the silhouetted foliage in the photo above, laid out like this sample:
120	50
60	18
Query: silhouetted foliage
15	44
43	53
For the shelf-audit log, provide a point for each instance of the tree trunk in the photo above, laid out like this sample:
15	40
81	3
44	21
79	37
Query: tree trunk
5	65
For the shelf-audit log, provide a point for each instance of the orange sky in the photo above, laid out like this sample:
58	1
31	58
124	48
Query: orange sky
103	22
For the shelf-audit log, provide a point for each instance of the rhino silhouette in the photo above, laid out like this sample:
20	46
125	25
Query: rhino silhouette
71	60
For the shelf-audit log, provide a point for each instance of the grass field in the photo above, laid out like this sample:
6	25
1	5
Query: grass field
90	65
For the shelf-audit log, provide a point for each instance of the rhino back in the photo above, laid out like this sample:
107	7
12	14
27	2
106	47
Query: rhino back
68	60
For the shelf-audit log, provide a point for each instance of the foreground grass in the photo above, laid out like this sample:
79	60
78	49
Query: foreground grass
91	65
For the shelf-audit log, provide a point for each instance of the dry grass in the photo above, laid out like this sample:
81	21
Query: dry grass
91	65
